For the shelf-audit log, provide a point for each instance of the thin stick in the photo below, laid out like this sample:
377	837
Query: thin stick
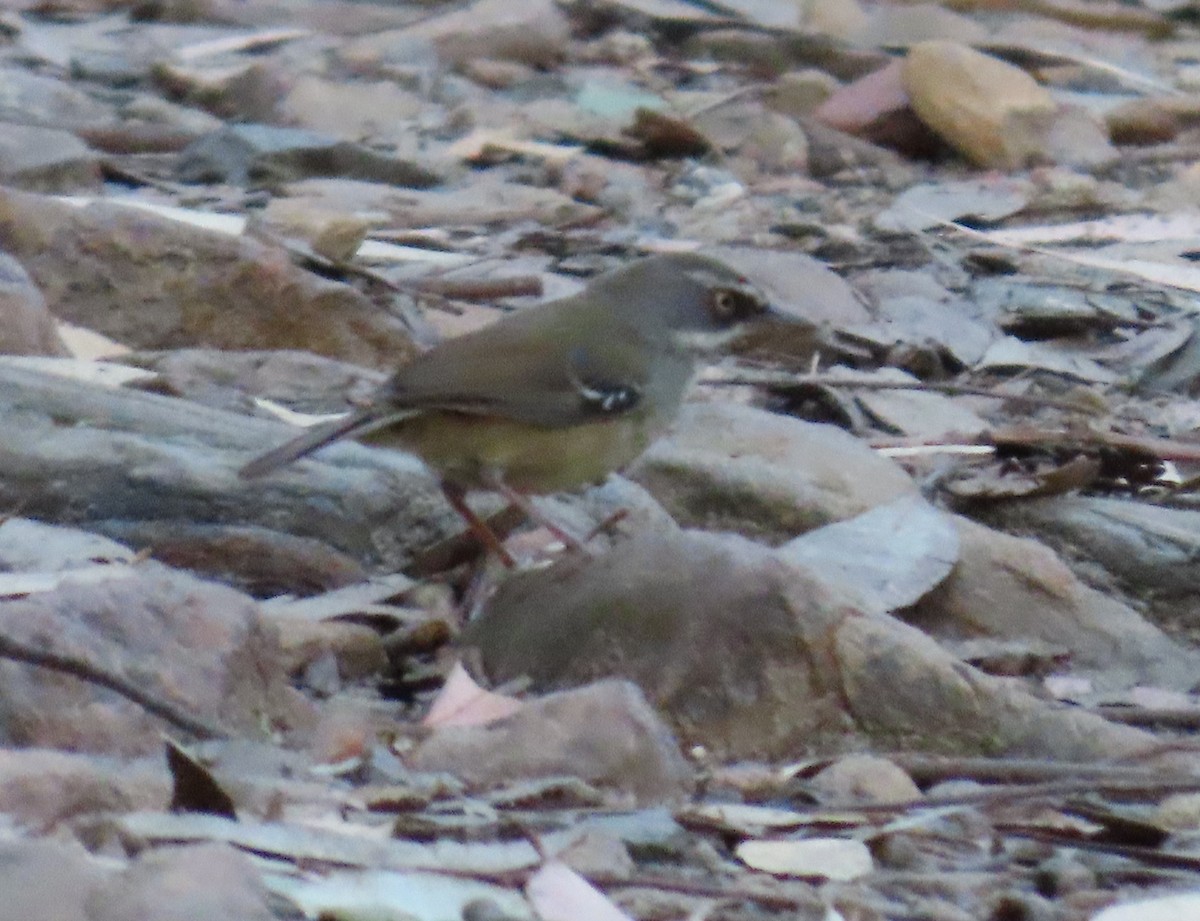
792	381
481	289
1147	855
1007	793
1161	448
95	674
1167	449
927	769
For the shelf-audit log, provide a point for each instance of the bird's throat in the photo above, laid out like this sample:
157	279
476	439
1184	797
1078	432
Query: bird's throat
704	342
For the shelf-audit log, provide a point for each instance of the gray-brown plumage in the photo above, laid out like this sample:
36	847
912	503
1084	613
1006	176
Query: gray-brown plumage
557	395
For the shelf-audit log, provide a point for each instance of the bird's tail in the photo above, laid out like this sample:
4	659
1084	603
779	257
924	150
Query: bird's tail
316	437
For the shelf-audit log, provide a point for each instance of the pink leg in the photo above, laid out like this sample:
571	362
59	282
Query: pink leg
521	501
486	536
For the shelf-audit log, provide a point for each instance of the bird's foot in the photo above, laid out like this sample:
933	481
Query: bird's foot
607	525
534	514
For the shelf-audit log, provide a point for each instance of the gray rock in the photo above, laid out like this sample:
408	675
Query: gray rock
481	197
198	645
46	159
239	153
46	879
751	657
1145	546
358	110
26	326
131	464
1149	550
1010	587
209	881
604	733
732	467
890	557
301	381
245	154
897	27
111	67
33	99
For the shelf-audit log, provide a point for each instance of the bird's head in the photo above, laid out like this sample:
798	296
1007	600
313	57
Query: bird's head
685	300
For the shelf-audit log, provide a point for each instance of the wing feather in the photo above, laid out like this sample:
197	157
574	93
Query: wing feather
315	437
540	368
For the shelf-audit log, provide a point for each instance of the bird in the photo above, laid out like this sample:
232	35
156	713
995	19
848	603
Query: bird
552	397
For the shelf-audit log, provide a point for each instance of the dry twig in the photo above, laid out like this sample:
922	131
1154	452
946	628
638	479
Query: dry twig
119	684
784	382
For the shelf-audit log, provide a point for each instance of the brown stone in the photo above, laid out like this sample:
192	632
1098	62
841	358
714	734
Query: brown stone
151	282
1013	587
41	788
991	111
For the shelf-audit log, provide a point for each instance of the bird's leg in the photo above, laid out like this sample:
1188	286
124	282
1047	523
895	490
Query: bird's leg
522	501
456	496
607	525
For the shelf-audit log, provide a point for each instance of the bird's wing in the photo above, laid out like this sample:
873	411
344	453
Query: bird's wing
540	373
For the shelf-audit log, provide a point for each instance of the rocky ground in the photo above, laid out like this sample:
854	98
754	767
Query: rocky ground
900	620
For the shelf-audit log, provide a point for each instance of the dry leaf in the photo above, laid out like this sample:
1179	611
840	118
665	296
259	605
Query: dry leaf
829	858
558	893
462	702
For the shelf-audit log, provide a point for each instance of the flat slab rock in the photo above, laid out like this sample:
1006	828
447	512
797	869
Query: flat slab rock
1144	546
138	465
890	556
1012	587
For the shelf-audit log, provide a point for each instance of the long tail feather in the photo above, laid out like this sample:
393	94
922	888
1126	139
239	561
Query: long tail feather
315	438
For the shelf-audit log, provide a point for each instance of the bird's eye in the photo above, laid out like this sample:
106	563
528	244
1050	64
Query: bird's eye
724	304
728	306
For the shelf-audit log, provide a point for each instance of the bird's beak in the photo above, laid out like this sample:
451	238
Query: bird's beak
776	314
780	330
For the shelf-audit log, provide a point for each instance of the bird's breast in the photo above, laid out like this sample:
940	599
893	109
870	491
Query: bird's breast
468	449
